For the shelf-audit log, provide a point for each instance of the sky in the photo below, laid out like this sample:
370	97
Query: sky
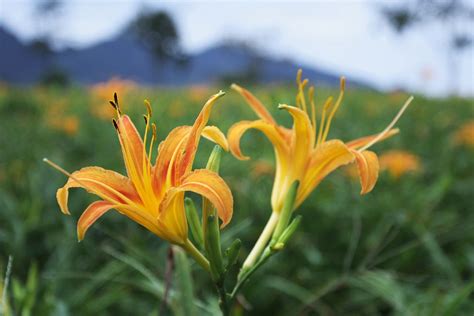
347	37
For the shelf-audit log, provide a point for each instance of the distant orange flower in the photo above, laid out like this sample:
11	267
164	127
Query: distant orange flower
465	134
262	168
56	118
101	92
198	92
399	162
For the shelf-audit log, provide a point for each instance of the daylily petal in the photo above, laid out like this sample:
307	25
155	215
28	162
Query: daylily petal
211	186
301	142
109	185
186	157
361	142
368	165
255	104
172	217
324	159
92	213
237	130
132	147
163	172
213	133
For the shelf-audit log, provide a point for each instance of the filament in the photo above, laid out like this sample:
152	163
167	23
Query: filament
389	127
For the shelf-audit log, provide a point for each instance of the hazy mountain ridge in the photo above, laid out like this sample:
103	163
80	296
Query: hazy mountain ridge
125	57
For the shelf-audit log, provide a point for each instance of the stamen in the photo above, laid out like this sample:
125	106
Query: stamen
115	125
146	119
113	104
326	106
148	107
153	137
303	100
299	73
389	127
336	107
116	99
313	107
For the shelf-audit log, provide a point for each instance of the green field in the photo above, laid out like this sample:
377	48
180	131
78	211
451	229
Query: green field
407	248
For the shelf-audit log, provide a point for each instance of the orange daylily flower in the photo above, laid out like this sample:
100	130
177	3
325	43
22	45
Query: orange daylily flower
465	134
153	195
303	153
399	162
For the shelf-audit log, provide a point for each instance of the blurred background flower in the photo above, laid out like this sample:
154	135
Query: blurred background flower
399	162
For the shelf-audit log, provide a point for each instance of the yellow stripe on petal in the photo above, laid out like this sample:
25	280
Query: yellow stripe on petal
325	159
132	148
92	213
214	134
107	184
368	165
165	163
360	142
186	157
255	104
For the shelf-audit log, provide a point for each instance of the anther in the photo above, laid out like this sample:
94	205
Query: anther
115	124
148	107
298	75
146	119
112	103
343	83
116	99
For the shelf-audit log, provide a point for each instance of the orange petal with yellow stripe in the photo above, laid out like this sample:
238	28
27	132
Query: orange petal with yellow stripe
92	213
211	186
109	185
132	147
166	161
186	157
368	165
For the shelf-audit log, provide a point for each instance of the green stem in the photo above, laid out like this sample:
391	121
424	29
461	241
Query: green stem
261	242
197	256
243	277
223	299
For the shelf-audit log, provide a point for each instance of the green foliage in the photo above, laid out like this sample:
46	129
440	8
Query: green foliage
404	249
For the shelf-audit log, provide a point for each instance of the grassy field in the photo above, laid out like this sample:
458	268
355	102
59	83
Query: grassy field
407	248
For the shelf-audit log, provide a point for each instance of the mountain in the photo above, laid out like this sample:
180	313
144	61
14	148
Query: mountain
125	57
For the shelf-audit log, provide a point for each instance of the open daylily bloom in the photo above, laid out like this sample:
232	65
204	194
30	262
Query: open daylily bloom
304	153
153	195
